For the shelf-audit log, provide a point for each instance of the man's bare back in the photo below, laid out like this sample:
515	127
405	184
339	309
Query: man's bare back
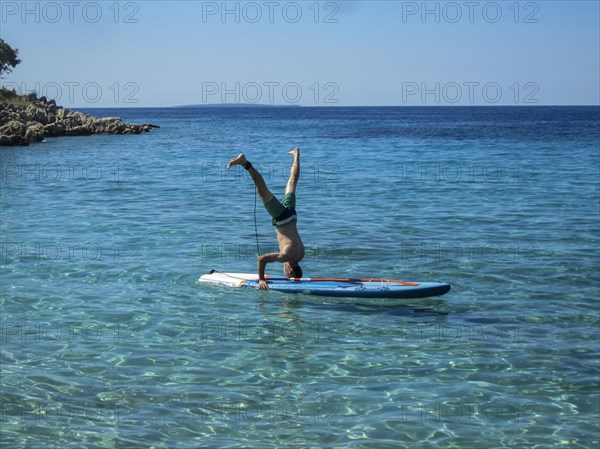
290	242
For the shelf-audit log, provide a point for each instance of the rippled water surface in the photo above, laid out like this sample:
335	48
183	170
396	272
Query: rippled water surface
108	340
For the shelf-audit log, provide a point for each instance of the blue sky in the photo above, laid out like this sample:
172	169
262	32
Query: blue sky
155	53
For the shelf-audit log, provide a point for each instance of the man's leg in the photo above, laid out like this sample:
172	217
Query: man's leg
263	192
294	172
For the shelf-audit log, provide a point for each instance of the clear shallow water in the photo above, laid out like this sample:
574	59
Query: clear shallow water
108	341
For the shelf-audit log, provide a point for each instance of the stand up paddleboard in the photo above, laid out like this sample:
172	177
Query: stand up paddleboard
338	287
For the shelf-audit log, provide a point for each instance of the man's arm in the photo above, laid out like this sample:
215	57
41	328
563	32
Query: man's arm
262	263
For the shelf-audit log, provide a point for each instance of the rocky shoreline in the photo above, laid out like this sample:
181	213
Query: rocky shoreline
24	122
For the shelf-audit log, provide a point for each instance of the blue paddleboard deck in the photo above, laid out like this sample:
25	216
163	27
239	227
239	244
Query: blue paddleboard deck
334	287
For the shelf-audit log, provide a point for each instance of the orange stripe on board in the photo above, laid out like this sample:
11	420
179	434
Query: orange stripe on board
366	281
347	280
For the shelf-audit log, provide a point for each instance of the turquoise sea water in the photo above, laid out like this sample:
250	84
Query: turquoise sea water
108	341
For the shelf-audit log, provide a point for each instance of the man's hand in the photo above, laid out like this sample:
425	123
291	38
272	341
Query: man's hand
262	263
295	152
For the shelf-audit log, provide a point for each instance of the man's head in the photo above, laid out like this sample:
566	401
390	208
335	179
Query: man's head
292	270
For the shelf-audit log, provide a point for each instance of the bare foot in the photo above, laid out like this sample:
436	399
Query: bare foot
295	152
240	160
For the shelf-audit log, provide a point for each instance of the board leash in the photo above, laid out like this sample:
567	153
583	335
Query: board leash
255	226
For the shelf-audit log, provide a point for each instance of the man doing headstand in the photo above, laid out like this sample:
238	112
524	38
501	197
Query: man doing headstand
291	248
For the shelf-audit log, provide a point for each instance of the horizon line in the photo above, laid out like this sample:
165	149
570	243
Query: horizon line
254	105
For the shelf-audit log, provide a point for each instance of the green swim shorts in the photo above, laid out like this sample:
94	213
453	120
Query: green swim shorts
283	212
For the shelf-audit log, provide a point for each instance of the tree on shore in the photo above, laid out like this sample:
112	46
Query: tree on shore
8	58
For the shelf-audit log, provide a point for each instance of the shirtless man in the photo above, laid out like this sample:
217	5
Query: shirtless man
291	248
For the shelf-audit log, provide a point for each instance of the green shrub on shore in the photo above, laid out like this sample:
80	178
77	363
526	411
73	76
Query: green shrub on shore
11	96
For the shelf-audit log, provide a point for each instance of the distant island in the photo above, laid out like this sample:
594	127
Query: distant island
237	105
